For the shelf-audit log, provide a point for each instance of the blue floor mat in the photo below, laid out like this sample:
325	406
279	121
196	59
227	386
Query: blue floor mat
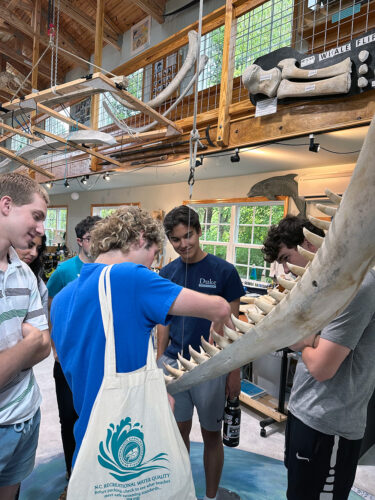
251	476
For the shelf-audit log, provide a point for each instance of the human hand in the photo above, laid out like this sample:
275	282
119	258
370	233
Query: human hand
233	384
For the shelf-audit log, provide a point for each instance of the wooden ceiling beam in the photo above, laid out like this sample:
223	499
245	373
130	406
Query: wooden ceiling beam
30	164
151	8
25	28
82	18
21	59
108	21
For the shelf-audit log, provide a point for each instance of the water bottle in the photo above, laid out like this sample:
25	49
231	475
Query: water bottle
232	421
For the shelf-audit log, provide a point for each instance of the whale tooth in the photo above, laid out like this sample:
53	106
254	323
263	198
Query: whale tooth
210	349
197	356
173	371
296	270
313	238
254	317
264	305
275	294
326	209
231	334
335	198
188	365
321	224
168	378
287	284
242	326
221	341
305	253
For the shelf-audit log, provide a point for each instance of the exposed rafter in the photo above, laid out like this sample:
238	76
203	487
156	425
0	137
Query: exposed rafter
24	61
152	8
25	28
109	36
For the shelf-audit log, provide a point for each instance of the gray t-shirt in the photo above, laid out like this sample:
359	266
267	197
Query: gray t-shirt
339	406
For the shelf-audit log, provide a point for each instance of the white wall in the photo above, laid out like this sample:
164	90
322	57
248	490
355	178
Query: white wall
159	32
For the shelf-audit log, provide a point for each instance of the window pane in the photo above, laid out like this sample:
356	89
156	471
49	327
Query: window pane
201	214
256	257
244	235
225	214
221	252
262	215
277	213
242	271
246	215
211	233
224	233
208	248
260	234
242	255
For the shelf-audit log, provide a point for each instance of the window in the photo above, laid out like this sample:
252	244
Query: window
235	231
56	126
55	225
105	210
18	142
135	87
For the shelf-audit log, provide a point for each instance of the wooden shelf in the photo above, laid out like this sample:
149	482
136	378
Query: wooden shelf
265	404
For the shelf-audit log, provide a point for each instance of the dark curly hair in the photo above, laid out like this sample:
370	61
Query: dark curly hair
86	225
181	215
289	231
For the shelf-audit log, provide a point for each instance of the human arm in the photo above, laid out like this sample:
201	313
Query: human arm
199	305
33	348
233	382
162	340
325	359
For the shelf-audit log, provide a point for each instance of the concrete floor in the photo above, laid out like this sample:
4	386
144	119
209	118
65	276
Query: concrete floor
271	446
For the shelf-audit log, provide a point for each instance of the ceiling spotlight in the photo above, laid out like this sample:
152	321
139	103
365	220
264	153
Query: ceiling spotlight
66	183
49	184
236	157
107	177
84	179
199	162
314	146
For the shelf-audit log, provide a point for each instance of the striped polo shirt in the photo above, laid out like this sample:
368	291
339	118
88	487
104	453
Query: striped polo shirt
19	302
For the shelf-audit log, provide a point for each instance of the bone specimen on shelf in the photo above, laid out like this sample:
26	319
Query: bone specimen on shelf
259	81
363	69
363	55
290	70
336	85
362	82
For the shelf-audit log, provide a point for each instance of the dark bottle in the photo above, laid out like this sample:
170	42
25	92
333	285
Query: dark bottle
232	421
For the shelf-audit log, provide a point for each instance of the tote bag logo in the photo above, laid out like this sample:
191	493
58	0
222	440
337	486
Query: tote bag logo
124	450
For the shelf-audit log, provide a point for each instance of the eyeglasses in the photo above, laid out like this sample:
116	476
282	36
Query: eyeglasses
87	238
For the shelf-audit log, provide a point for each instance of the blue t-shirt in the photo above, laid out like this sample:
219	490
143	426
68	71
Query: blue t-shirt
211	275
65	272
140	300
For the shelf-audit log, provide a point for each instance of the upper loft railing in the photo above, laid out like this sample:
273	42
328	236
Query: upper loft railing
233	37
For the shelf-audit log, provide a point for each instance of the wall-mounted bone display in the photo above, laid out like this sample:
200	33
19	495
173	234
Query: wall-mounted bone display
336	85
329	74
291	71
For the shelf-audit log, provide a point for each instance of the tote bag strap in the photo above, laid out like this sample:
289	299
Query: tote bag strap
151	360
105	299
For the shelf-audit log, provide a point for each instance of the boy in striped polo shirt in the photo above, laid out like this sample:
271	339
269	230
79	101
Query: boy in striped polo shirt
24	336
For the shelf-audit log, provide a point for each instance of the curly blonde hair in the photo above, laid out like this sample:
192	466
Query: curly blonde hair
122	229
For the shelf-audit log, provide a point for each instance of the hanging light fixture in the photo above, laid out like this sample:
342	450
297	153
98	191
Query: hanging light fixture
66	183
84	179
107	177
49	184
314	146
236	157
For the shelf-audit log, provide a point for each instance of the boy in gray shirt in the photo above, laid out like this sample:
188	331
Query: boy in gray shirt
334	381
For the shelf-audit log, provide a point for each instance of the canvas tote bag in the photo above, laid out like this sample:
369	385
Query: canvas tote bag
132	447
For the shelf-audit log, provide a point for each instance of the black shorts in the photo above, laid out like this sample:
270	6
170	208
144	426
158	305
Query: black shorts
320	466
